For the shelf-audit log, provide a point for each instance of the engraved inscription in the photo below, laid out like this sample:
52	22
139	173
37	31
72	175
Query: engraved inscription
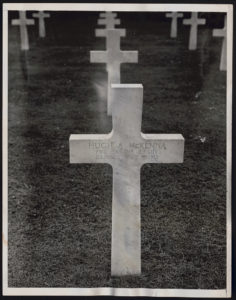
110	149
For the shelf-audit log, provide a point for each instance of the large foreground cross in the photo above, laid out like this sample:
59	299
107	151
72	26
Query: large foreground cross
109	20
113	57
23	22
126	149
194	22
174	15
41	15
222	33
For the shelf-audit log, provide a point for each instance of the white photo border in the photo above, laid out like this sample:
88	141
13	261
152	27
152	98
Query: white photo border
194	293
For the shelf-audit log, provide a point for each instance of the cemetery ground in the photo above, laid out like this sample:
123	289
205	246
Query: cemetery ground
59	213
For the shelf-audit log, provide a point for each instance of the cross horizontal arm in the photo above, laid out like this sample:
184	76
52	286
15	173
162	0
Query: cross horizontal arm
187	22
174	15
219	32
130	56
29	22
162	148
15	22
104	21
169	15
19	22
104	32
85	148
41	15
191	22
98	56
201	21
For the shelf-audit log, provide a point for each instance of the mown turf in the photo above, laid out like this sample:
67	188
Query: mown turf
60	214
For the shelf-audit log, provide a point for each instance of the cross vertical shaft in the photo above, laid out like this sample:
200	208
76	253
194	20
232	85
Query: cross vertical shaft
126	227
193	38
223	57
24	33
173	32
222	33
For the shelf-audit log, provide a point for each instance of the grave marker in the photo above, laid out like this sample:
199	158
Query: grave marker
103	33
222	33
113	57
174	23
41	15
23	22
109	20
194	22
126	149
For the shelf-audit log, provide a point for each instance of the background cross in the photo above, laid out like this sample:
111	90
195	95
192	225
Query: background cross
23	22
41	15
109	20
113	57
193	22
222	33
174	15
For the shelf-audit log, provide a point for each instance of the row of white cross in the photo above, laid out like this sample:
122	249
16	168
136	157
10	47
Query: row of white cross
23	22
126	149
194	22
110	23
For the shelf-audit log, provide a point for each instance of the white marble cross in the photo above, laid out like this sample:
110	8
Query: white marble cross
109	20
194	22
113	57
41	15
126	149
23	22
174	23
222	33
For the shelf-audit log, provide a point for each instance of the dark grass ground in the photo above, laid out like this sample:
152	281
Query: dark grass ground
60	214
